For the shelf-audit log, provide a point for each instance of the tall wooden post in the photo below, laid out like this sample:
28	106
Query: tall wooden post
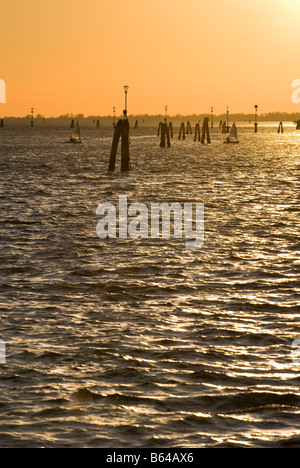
98	123
114	147
171	129
72	124
2	123
298	125
159	129
125	164
163	135
188	129
121	131
32	111
280	128
205	131
197	132
182	132
136	125
168	135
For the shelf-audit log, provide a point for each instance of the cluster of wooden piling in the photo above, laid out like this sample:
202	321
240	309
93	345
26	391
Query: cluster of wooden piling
165	131
225	127
189	129
205	131
183	131
164	135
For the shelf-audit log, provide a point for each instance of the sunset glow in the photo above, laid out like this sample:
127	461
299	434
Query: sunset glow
64	56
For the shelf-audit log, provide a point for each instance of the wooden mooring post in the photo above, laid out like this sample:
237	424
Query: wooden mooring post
72	124
98	123
205	131
165	136
188	129
121	132
2	123
298	125
197	132
280	128
182	132
125	162
159	129
136	125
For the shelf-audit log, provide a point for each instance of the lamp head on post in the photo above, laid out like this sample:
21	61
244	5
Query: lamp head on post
126	88
255	124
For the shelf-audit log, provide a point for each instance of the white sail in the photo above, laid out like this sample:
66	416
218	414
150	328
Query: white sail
232	137
233	132
76	132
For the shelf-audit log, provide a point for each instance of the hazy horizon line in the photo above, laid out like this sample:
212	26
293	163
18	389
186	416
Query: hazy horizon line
247	116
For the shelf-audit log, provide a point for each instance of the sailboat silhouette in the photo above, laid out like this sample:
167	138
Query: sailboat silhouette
232	137
75	137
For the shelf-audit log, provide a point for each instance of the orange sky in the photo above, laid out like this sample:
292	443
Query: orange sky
71	56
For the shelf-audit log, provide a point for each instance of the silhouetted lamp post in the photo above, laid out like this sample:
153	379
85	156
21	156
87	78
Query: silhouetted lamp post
114	124
121	132
227	127
212	117
126	91
255	124
32	111
166	113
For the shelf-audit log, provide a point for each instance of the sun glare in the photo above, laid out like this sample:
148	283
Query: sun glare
291	5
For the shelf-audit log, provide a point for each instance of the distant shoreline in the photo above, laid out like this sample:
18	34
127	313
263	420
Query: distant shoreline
267	117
